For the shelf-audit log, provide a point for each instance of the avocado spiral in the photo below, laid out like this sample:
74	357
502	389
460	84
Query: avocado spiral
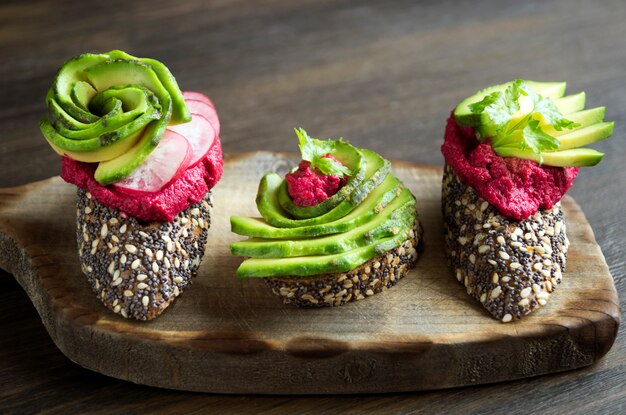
111	108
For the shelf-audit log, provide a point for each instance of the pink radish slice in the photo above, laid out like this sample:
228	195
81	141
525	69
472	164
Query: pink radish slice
200	134
207	111
165	164
197	96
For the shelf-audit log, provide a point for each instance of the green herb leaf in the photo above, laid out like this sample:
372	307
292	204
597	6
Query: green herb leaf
525	133
314	150
550	113
535	139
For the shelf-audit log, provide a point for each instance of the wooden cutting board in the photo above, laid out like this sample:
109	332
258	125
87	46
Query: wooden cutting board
234	336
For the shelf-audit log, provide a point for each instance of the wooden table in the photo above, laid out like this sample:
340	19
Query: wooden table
384	75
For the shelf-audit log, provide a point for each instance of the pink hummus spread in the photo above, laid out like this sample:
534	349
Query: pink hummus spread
164	205
309	187
517	188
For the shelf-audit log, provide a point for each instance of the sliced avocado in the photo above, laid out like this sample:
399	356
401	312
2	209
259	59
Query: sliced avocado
322	264
349	156
577	157
180	112
586	136
464	116
584	118
389	195
69	74
571	103
272	184
384	225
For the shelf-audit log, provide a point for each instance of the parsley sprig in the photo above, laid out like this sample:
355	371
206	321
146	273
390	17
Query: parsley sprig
499	108
314	150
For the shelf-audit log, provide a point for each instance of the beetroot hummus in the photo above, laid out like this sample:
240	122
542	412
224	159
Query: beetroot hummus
517	188
308	187
164	205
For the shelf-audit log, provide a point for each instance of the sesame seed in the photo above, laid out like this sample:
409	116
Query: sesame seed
142	285
123	229
143	234
494	278
515	265
88	195
141	277
462	240
148	252
516	244
525	292
523	302
483	297
176	291
124	313
504	255
483	248
544	295
123	259
116	274
195	211
155	267
492	262
135	264
117	308
113	221
145	300
159	255
111	268
505	279
500	240
87	210
170	246
166	262
178	279
117	282
128	293
541	301
484	206
537	266
130	248
545	273
496	292
104	230
507	317
472	258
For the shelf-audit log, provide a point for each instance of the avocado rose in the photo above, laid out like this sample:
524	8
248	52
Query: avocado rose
111	108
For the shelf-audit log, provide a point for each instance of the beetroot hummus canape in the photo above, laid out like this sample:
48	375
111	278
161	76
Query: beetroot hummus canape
144	157
338	228
511	152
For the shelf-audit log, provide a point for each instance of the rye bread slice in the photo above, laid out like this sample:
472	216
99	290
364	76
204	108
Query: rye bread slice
511	267
372	277
137	269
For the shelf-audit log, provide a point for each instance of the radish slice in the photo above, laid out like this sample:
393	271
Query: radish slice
200	134
197	96
166	163
207	111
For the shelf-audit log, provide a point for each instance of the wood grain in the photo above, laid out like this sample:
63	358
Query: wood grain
233	336
382	74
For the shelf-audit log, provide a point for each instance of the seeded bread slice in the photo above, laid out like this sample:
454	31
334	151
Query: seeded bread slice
369	278
137	269
511	267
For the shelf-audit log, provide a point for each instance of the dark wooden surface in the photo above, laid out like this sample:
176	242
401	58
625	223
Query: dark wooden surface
383	74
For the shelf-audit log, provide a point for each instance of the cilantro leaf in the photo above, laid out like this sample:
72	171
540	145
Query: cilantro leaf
314	150
499	107
550	113
535	139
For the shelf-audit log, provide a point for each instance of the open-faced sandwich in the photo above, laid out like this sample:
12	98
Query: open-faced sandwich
144	157
338	228
511	153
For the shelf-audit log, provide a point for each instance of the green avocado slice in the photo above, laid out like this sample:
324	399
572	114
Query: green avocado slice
391	194
319	264
384	225
180	112
584	118
272	184
586	136
576	157
350	157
